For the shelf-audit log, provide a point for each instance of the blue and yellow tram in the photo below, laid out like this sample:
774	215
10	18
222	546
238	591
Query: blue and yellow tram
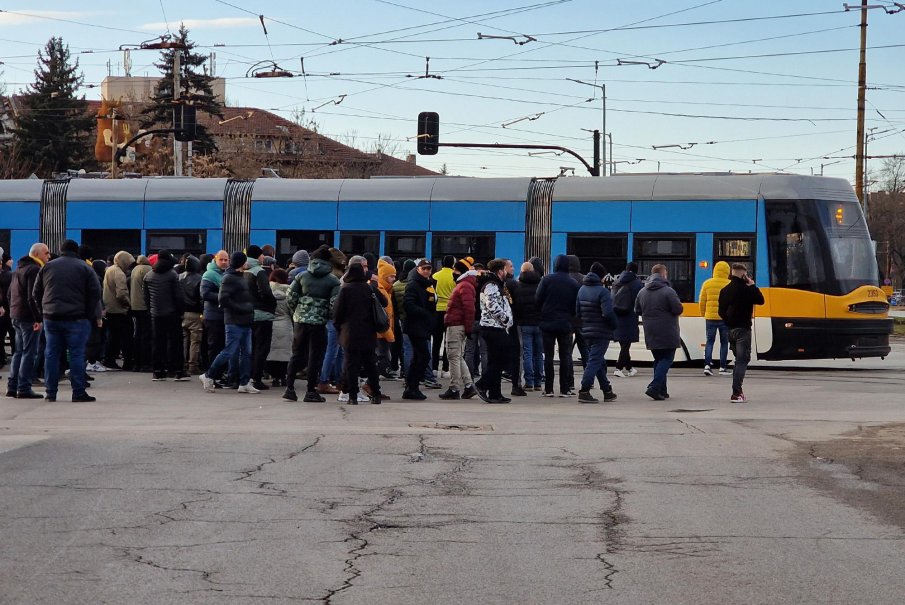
804	238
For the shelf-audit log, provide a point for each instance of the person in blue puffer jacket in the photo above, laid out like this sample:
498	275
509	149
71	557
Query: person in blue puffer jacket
594	307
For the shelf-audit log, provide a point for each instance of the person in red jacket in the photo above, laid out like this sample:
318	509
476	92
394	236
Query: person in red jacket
459	321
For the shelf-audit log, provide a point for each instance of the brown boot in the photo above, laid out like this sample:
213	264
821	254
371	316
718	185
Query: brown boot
325	388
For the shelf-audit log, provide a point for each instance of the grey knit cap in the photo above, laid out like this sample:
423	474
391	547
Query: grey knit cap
301	259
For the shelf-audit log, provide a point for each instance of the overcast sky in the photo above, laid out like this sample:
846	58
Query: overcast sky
749	91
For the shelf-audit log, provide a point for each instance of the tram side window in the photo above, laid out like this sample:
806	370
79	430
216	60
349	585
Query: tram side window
288	242
105	243
735	249
359	242
674	252
796	258
177	242
405	245
482	248
609	250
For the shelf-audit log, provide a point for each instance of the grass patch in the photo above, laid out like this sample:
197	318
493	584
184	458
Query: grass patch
899	327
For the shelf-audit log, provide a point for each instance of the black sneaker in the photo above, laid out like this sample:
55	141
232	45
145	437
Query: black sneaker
482	393
158	377
313	397
50	398
499	399
469	392
289	395
413	395
376	400
450	393
181	377
11	393
432	384
655	395
609	395
586	397
260	385
518	391
28	395
86	398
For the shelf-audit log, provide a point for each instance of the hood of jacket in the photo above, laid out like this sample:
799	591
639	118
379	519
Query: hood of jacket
721	270
655	282
470	277
626	277
319	267
123	260
385	270
142	260
529	277
574	263
561	263
192	264
164	263
591	279
538	265
355	273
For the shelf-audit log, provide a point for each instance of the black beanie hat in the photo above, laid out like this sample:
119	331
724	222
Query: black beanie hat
238	260
70	246
253	252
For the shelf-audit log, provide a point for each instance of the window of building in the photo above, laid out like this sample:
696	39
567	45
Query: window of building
481	247
177	242
404	245
359	242
105	243
676	252
734	249
288	242
610	250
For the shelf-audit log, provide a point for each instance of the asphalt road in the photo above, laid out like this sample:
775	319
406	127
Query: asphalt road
160	493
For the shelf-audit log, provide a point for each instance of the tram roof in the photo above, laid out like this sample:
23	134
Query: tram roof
21	190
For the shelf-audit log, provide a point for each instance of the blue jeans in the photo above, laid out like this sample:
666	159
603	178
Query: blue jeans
714	326
532	355
238	342
663	359
331	371
741	348
596	366
62	336
23	367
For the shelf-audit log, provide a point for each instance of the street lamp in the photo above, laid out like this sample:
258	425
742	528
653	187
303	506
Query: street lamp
602	88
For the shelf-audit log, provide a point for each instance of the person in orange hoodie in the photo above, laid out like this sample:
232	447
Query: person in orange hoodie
386	275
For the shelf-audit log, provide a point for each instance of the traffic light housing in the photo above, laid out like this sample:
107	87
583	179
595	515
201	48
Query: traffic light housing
428	132
184	122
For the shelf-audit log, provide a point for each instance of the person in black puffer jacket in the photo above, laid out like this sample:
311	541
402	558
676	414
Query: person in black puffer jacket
556	295
578	276
595	308
625	291
165	300
238	315
192	325
527	317
419	303
354	318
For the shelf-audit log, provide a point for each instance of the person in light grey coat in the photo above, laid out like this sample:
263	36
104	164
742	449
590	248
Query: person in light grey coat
281	345
660	308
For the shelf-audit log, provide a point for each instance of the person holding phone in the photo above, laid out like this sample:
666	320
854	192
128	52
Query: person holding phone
737	301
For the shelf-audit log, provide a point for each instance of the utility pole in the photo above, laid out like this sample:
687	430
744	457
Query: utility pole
862	86
177	145
602	88
113	137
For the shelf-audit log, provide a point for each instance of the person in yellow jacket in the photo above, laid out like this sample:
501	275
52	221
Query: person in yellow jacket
386	275
444	282
710	305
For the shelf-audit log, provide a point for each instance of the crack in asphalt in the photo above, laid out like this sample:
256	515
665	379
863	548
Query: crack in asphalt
611	519
246	475
691	426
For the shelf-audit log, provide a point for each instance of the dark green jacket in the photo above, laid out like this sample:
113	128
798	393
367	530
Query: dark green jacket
312	294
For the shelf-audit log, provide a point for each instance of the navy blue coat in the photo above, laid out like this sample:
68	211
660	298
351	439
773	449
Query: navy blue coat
556	296
627	323
595	309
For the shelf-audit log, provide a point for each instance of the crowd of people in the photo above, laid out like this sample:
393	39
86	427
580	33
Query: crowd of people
343	325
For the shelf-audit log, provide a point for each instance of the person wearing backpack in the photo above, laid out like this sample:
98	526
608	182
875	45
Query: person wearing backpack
625	291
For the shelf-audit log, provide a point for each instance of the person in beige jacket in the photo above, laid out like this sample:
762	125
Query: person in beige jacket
117	303
141	317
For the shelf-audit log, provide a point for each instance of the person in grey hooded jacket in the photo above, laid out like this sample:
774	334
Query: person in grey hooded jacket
660	308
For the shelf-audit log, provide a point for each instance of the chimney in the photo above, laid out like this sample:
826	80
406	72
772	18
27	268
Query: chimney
410	158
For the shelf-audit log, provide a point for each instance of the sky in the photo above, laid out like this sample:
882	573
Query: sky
715	85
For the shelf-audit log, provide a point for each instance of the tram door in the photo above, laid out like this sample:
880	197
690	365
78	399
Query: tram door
105	243
611	250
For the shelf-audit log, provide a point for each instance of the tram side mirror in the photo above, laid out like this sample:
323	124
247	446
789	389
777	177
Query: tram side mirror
428	132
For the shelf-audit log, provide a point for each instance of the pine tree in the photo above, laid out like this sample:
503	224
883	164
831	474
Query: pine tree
195	87
53	130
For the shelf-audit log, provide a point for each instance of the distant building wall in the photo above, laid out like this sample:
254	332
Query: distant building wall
138	89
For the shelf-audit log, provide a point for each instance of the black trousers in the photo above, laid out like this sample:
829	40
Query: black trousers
141	342
438	331
261	337
364	361
167	349
625	356
119	339
420	359
6	329
216	337
563	340
497	358
514	363
308	342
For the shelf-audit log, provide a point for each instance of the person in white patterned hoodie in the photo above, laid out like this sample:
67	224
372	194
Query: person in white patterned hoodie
496	320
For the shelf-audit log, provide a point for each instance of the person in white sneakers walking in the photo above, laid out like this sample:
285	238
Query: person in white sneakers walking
625	291
238	315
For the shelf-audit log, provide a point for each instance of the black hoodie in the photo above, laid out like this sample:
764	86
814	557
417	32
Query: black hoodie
525	309
419	303
556	297
190	280
163	294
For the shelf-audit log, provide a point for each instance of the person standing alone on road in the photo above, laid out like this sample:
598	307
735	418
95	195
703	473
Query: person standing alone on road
660	308
737	302
710	309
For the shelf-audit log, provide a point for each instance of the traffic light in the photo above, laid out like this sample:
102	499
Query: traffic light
428	132
184	122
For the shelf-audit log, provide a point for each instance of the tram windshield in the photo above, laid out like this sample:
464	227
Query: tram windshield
820	246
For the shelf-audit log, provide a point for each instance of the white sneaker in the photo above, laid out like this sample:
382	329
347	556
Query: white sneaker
707	370
362	398
619	373
207	383
247	388
343	398
633	372
95	367
725	372
445	375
